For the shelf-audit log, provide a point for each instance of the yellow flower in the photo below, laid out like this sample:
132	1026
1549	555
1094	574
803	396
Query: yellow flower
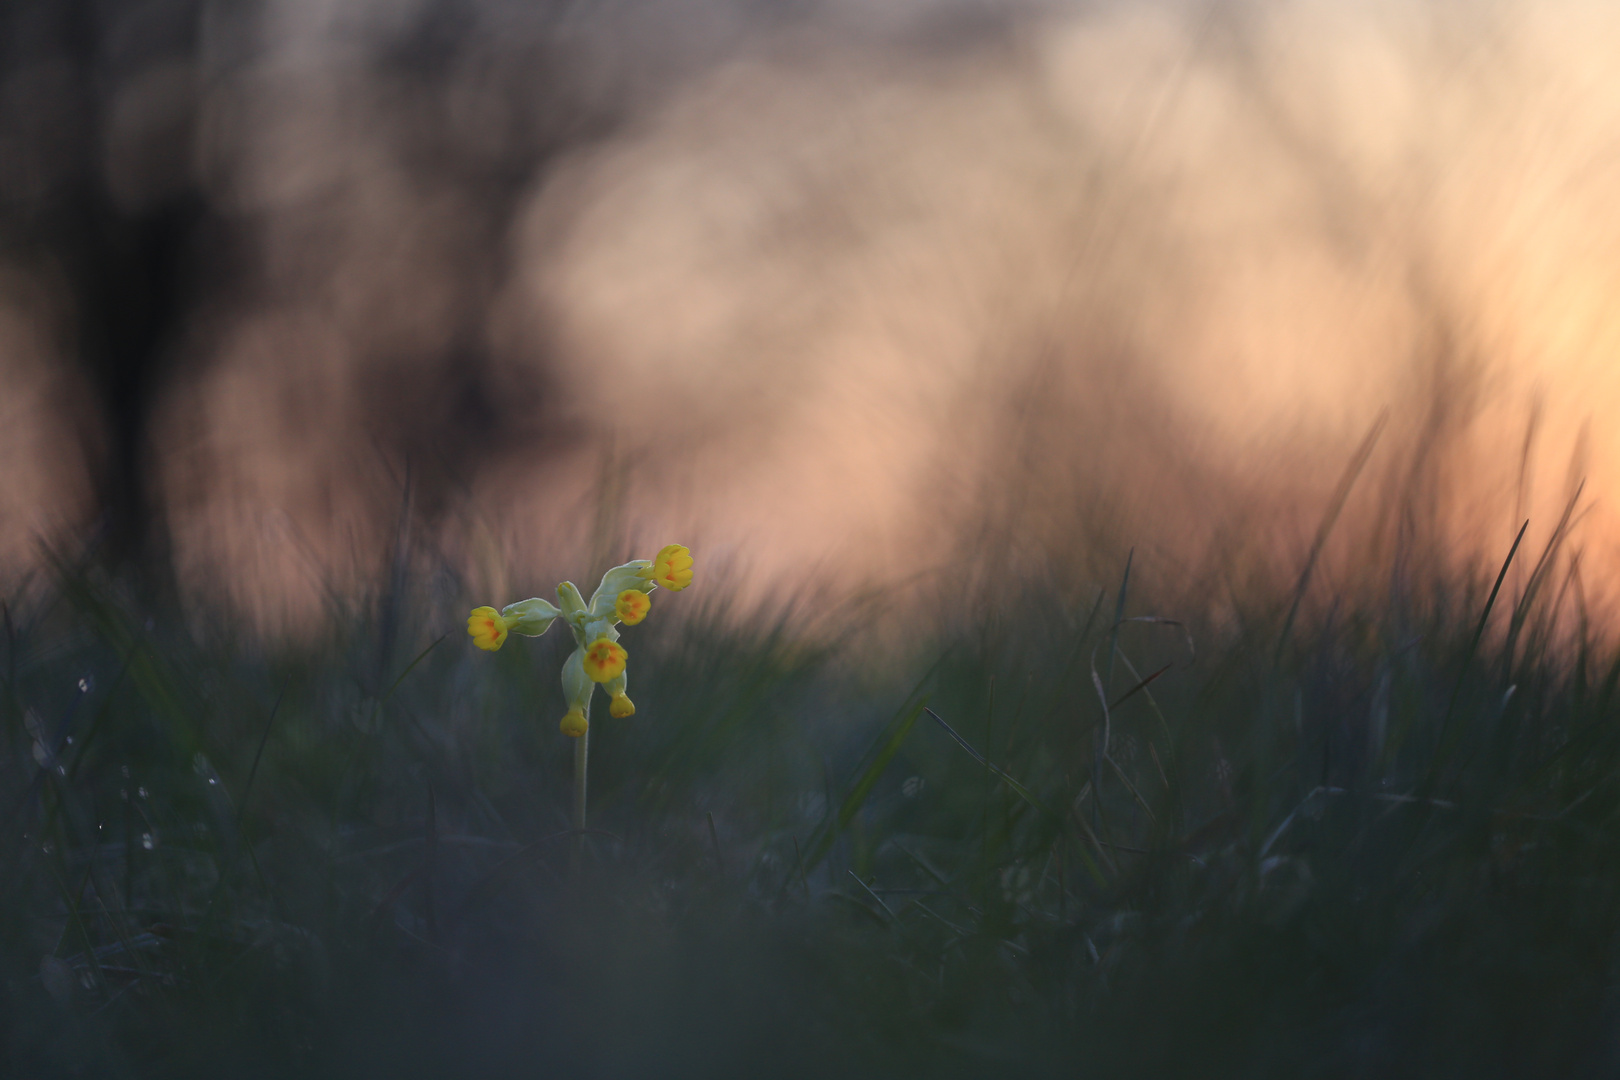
632	606
487	627
574	723
622	706
632	575
672	568
604	660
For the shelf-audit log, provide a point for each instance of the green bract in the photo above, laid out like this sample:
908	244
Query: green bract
531	618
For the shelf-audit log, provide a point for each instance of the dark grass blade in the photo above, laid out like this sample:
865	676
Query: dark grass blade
883	751
1019	789
1143	685
1119	614
1538	576
264	737
1341	494
1099	739
377	705
1012	783
1449	732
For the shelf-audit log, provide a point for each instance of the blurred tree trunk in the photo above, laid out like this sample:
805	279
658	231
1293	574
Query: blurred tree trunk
118	253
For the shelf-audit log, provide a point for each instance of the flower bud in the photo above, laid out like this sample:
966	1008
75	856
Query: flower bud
574	723
671	569
487	627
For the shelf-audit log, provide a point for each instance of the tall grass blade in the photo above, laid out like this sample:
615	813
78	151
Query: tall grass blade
1341	494
1018	789
1521	610
886	746
1449	732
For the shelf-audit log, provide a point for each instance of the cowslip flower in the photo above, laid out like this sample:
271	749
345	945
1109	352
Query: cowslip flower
604	659
671	568
632	606
598	659
487	627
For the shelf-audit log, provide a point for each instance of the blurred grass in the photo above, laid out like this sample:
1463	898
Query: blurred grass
1349	839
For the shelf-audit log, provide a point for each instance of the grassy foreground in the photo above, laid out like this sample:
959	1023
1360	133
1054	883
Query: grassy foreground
1360	843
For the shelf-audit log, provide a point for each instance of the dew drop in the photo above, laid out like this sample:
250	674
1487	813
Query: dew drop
212	780
146	841
70	740
61	770
47	847
86	684
142	792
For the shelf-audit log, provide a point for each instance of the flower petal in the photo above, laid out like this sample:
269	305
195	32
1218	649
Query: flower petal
487	627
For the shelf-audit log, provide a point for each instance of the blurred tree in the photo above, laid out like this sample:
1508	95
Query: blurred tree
101	204
121	202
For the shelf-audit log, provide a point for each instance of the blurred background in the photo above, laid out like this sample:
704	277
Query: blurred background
1159	385
839	294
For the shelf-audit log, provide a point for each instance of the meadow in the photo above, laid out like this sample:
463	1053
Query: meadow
1051	834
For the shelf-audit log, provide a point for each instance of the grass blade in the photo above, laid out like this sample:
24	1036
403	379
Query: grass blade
1449	733
1341	494
888	744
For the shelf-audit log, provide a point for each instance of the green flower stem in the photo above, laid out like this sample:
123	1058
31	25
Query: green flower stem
582	750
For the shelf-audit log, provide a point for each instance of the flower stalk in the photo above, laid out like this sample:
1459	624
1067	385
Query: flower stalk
582	752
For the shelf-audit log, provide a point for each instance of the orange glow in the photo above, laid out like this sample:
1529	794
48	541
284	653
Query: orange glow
852	308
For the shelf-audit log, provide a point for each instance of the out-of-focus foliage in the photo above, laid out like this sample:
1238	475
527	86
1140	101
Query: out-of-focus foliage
1362	840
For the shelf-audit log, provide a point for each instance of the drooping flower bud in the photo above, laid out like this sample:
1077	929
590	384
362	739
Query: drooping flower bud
671	568
574	723
488	628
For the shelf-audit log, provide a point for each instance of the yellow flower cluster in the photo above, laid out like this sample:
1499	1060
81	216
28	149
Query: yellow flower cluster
598	659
